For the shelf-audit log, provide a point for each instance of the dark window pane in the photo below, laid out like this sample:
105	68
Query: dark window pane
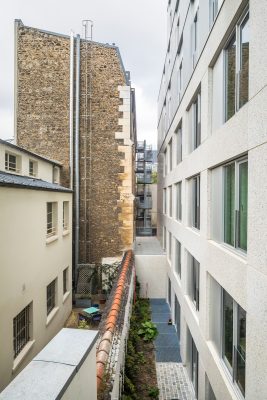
241	349
228	327
244	62
229	204
194	368
230	59
243	205
196	202
177	312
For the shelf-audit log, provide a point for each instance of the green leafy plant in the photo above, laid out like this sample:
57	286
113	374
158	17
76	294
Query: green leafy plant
153	392
83	325
148	331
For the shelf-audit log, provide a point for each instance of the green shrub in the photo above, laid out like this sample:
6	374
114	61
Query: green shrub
148	331
153	392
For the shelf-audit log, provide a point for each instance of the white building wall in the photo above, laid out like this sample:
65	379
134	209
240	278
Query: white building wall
29	262
44	168
243	276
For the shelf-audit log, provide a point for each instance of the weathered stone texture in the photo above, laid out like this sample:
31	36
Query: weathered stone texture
44	60
43	95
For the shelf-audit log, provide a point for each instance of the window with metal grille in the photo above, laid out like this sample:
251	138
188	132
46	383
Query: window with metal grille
21	330
51	296
65	280
51	212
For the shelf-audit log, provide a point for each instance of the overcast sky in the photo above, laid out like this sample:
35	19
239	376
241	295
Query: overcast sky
138	27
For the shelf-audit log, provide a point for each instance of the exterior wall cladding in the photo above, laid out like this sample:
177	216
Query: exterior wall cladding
212	163
106	155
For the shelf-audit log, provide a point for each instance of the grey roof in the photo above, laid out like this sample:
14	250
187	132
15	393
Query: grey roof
49	374
26	182
18	148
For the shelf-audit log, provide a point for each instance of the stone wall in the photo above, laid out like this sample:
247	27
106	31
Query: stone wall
43	95
106	162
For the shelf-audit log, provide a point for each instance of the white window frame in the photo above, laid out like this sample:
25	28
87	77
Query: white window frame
33	170
66	216
51	219
236	32
179	209
14	167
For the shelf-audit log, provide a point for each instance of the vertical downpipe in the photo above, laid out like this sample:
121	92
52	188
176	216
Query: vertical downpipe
71	108
77	160
16	27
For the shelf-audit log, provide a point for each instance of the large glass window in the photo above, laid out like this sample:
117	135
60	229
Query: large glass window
213	10
170	154
234	340
197	122
177	316
196	201
169	246
179	147
179	201
164	201
237	68
178	257
170	200
195	282
236	204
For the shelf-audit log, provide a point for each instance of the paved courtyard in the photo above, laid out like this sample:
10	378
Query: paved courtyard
173	381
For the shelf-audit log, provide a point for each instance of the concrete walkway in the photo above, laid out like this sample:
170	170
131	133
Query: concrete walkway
173	381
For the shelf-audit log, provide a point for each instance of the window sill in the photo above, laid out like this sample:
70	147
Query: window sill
18	360
51	239
65	296
51	315
194	230
230	250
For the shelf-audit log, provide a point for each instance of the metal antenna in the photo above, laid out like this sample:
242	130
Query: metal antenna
88	23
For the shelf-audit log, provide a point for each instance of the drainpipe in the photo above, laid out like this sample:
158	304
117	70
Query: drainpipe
77	160
17	24
71	108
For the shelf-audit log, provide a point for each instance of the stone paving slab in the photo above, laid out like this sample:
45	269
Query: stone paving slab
168	354
173	382
167	340
159	308
165	328
160	317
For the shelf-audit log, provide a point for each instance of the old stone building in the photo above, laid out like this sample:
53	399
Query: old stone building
74	103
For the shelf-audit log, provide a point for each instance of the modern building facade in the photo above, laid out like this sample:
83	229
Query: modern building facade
212	193
35	256
143	189
74	102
